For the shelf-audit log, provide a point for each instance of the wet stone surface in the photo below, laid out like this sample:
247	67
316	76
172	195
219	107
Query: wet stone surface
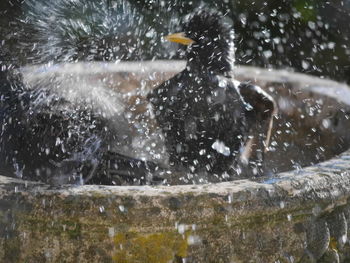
297	216
302	217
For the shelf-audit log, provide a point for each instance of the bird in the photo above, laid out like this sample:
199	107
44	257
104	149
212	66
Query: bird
48	138
212	122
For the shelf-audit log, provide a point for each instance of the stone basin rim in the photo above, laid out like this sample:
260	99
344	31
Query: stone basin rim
165	65
284	181
147	67
279	185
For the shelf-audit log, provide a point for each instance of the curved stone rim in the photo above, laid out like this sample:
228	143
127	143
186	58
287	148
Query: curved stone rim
329	179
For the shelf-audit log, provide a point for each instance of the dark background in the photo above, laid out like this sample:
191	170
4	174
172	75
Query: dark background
309	36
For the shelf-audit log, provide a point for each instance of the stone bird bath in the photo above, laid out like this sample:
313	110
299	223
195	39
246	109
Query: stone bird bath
297	213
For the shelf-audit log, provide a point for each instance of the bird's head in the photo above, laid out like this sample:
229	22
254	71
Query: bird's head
209	39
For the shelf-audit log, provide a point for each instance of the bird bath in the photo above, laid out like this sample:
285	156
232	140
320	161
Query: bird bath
293	214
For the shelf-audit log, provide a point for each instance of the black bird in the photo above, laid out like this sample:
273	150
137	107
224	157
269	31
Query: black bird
57	141
210	121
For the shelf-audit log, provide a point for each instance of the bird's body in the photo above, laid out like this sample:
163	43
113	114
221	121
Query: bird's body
206	116
202	116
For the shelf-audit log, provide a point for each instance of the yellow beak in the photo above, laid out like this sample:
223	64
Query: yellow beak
179	38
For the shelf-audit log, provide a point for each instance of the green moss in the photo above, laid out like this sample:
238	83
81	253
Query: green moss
65	227
73	229
307	9
148	248
12	248
144	232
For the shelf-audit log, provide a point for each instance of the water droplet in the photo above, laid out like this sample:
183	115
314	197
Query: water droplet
326	123
193	240
121	208
111	232
181	228
220	147
229	199
202	152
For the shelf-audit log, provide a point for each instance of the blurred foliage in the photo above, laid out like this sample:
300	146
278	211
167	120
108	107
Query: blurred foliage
306	9
308	36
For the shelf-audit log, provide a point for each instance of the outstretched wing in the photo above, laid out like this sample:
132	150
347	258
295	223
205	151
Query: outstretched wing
259	119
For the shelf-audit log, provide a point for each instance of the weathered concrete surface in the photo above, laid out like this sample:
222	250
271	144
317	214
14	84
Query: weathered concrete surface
241	221
298	216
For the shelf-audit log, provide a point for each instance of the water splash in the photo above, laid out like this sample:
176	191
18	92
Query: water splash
73	30
70	30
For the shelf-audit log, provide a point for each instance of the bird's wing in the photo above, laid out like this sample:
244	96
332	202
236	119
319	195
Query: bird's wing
260	120
163	97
